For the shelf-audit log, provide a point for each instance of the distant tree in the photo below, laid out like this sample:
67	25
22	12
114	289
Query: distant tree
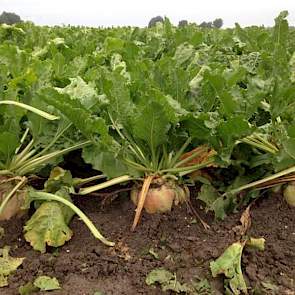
154	20
9	18
182	23
218	23
206	25
203	25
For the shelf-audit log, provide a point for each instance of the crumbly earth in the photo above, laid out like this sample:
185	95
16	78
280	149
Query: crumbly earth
175	241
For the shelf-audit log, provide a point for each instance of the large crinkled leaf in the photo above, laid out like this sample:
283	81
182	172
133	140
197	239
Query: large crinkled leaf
280	42
216	79
183	53
218	82
173	109
198	126
83	119
151	124
78	89
47	226
8	265
285	101
228	102
232	129
120	106
77	66
195	83
15	58
105	161
172	79
119	65
112	44
229	264
208	98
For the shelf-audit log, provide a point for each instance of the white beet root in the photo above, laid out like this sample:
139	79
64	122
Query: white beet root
289	194
160	199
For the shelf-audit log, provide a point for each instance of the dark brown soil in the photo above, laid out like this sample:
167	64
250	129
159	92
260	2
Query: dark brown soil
84	265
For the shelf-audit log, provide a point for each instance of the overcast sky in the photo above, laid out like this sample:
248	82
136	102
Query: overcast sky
138	12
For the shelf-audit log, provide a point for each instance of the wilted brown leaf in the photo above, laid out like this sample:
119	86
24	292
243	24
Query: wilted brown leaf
245	220
203	154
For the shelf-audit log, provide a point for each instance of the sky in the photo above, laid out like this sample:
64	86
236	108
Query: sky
138	13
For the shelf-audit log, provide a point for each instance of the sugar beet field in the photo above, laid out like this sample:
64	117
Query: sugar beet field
147	160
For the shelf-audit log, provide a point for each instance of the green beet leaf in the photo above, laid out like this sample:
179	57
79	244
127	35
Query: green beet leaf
8	144
47	226
78	89
151	125
46	283
167	280
74	110
28	289
289	147
214	201
229	264
120	105
158	275
183	53
58	179
106	161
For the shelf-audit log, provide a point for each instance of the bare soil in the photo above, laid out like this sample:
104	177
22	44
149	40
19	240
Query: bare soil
177	241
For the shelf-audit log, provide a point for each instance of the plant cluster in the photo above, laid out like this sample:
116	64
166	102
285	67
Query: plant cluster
161	108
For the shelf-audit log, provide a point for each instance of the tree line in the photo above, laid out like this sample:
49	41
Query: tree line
217	23
11	18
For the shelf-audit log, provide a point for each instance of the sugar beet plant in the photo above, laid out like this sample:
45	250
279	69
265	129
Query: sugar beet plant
157	108
146	144
277	131
24	152
17	155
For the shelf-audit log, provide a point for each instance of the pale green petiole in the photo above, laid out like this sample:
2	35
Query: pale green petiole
174	160
117	180
259	142
30	165
5	172
54	140
22	140
22	156
262	181
30	108
81	181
